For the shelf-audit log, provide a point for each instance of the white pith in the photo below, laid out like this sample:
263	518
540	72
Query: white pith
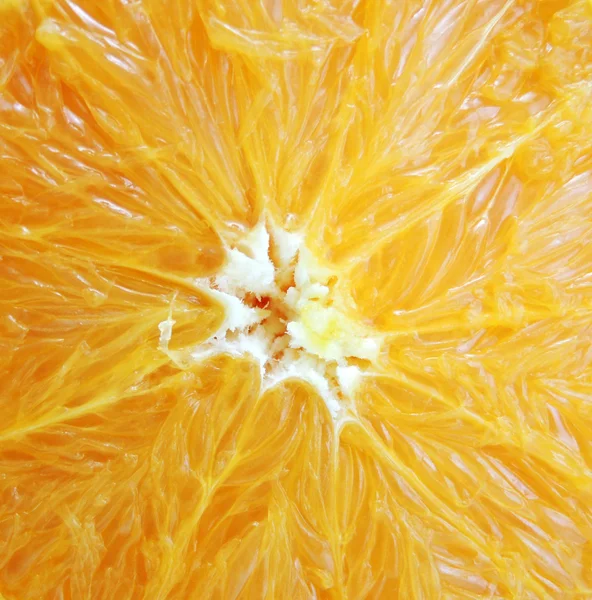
310	339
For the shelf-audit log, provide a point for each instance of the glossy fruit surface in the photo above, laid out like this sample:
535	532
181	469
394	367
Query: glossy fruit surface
295	299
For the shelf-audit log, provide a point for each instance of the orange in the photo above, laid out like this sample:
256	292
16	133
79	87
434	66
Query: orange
296	299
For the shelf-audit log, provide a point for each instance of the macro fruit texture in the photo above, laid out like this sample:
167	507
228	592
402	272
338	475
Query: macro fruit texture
295	299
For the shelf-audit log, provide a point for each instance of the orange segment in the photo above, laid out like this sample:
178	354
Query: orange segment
295	299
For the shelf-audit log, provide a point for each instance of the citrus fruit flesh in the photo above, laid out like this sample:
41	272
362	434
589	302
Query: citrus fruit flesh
296	299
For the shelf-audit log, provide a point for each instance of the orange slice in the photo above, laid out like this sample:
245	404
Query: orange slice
296	299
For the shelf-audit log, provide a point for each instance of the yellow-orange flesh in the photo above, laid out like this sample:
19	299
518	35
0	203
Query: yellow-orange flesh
295	299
